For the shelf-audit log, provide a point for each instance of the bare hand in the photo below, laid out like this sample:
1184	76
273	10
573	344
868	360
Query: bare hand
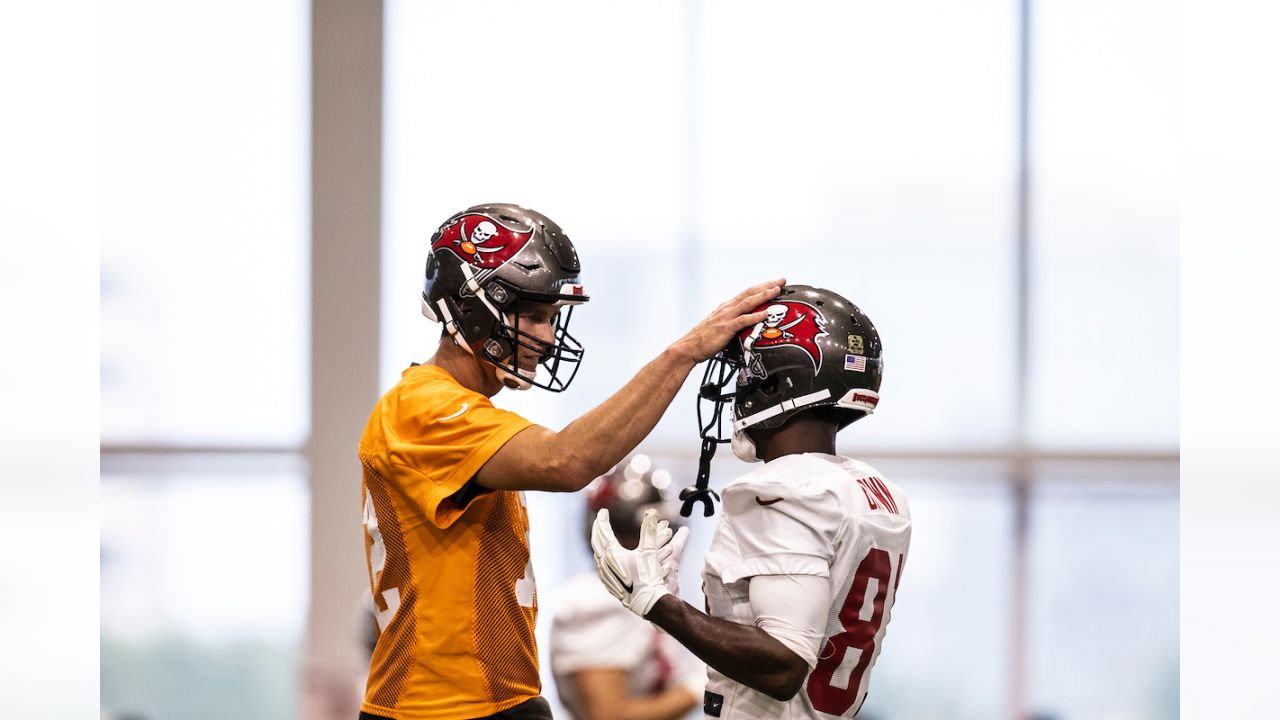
709	336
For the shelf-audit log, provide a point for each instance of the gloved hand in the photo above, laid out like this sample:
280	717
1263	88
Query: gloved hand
669	555
636	577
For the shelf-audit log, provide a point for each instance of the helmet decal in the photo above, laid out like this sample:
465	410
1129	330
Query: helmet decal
789	323
481	240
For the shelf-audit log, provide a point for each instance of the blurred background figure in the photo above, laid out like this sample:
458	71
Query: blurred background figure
608	663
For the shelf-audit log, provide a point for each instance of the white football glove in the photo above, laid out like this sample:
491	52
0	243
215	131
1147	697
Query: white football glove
670	555
636	577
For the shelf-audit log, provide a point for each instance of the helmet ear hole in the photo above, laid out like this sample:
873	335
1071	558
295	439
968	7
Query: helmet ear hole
769	385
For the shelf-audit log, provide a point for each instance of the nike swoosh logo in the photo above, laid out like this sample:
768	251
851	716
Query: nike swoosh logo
767	502
457	414
629	587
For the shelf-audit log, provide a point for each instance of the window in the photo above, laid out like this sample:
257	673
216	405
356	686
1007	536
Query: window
509	122
1104	594
953	606
906	215
839	151
1104	330
204	258
205	560
204	588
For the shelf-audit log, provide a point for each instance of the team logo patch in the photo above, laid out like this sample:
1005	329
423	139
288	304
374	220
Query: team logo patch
481	240
789	323
860	400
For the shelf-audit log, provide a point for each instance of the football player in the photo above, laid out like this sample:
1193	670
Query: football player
608	663
446	531
804	565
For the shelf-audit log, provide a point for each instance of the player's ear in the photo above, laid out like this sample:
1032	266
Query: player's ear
770	385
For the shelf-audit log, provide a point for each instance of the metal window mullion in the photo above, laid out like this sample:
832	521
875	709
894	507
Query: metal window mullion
1021	478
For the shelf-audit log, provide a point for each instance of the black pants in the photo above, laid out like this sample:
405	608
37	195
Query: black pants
533	709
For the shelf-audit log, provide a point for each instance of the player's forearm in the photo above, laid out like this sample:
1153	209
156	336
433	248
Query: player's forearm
743	653
603	436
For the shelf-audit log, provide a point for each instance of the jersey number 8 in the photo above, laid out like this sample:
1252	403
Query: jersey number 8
834	684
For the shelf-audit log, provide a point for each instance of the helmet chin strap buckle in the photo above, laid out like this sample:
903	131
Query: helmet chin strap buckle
699	492
510	376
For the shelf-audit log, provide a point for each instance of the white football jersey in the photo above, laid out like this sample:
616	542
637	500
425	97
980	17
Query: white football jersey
592	629
810	514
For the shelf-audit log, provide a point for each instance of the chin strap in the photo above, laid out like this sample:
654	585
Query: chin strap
699	492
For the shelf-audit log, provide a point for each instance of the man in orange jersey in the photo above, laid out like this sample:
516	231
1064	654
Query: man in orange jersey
446	530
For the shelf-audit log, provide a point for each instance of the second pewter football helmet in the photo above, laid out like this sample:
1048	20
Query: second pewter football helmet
633	486
814	349
484	262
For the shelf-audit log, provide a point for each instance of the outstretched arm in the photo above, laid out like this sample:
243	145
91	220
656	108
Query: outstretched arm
773	656
541	459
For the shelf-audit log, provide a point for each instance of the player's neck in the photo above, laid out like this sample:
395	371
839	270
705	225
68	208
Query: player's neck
470	371
803	434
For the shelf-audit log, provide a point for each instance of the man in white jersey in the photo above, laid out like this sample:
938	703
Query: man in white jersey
804	566
608	663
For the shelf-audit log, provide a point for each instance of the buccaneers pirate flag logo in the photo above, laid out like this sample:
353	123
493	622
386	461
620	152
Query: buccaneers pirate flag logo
481	240
788	324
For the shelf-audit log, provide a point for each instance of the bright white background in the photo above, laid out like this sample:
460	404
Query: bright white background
50	205
204	269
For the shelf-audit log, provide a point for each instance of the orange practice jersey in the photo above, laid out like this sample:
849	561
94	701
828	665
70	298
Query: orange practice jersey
451	579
